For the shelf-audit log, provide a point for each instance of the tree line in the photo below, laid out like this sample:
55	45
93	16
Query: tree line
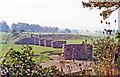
25	27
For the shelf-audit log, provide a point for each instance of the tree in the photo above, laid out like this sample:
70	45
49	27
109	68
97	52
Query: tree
14	26
33	28
21	30
4	27
13	31
67	30
107	56
108	6
21	63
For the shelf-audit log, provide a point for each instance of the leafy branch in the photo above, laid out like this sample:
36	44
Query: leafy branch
109	6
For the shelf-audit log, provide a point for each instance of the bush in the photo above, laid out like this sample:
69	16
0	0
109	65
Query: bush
16	34
107	56
117	35
22	64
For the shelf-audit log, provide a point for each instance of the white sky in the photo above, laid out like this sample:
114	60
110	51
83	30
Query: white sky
55	13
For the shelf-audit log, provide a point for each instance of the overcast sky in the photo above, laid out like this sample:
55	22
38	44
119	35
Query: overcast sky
55	13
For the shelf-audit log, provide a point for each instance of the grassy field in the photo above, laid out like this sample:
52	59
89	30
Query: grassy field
78	41
40	49
6	44
42	33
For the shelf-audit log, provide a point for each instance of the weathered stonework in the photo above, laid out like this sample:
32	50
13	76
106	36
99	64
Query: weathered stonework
41	41
58	44
77	51
25	41
47	42
36	41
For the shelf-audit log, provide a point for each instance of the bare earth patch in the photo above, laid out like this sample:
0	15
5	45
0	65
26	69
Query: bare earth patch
56	57
75	66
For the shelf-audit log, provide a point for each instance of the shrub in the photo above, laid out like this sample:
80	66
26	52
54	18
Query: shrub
117	35
22	64
107	56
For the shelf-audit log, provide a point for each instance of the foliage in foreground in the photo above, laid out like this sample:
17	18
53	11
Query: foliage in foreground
22	64
108	6
117	35
106	60
107	56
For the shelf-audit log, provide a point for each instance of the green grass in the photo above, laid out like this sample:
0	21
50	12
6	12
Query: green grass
78	41
39	49
4	43
45	56
42	33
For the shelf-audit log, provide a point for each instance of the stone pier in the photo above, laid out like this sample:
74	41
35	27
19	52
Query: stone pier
77	51
48	42
58	44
